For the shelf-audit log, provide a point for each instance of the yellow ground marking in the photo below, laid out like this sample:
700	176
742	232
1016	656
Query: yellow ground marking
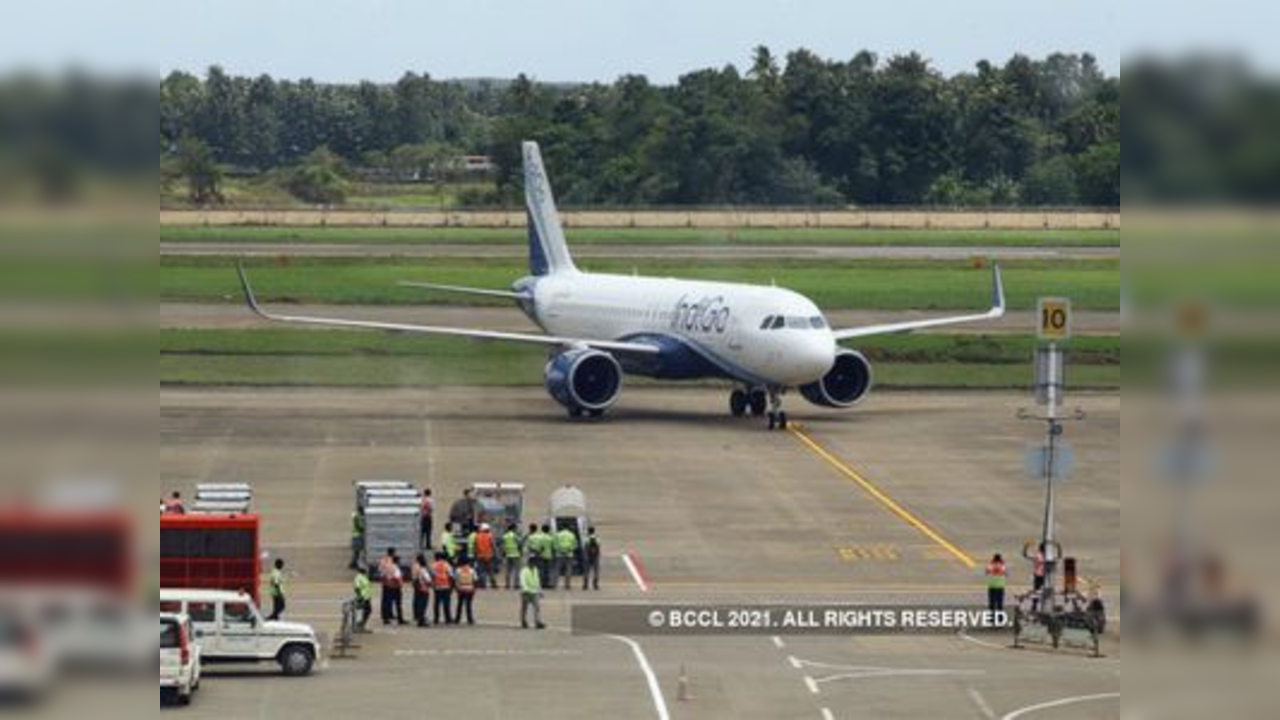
889	503
854	553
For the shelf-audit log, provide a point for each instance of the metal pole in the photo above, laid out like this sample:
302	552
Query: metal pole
1055	429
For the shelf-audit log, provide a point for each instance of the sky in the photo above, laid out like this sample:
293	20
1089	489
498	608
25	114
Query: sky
585	40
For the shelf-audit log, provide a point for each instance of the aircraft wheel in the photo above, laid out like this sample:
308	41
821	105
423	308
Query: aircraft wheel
782	421
738	403
758	401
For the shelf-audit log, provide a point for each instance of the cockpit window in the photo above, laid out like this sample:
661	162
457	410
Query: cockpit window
767	323
817	323
778	322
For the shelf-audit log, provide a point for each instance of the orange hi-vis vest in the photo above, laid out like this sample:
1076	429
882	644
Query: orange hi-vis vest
440	575
484	546
391	576
466	580
996	574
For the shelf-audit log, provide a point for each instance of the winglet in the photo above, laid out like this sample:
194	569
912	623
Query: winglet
248	292
997	292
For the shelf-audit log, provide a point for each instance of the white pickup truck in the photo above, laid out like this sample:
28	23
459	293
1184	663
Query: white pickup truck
179	658
230	629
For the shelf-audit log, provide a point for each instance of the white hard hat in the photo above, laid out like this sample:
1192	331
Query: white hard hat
484	526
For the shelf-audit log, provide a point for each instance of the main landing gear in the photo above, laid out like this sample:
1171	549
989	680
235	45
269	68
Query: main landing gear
742	400
759	402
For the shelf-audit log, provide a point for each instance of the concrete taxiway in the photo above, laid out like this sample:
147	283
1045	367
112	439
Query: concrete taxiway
896	501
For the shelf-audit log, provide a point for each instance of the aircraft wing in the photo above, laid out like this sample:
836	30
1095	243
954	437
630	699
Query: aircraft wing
996	311
466	290
528	338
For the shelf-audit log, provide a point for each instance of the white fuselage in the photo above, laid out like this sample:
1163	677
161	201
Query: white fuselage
724	323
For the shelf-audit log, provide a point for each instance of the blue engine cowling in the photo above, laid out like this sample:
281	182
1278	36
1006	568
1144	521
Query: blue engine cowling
847	382
584	380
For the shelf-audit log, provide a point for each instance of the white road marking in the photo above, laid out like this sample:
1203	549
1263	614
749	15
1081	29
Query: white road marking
982	643
826	714
635	572
777	642
490	652
813	686
868	673
982	704
795	663
655	690
1059	703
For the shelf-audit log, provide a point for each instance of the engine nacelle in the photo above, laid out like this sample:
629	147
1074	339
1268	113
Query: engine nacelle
584	380
848	381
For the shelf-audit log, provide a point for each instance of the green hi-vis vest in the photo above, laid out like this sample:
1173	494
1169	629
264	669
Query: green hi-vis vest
566	543
364	587
511	545
530	582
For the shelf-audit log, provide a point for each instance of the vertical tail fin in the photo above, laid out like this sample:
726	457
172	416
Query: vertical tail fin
548	253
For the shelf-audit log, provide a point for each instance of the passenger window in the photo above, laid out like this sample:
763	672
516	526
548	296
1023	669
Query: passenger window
201	612
767	322
237	615
778	322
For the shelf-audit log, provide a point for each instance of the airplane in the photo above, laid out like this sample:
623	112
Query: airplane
598	328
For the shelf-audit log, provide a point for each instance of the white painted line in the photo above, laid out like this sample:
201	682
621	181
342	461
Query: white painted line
813	686
981	643
777	642
826	714
637	574
1059	703
795	662
655	690
982	704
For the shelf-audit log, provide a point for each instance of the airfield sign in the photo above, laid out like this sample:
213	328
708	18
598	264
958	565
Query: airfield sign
1054	319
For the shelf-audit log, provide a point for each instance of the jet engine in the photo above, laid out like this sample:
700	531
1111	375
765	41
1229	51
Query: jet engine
584	380
847	382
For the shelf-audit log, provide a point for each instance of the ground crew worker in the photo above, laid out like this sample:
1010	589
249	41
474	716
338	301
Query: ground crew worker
392	579
420	576
566	549
357	538
428	509
275	589
442	585
364	598
546	556
481	548
174	506
591	561
449	543
465	580
512	546
530	595
1037	577
997	577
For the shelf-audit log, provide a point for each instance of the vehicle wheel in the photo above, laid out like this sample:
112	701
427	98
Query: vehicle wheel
738	403
184	699
758	402
296	660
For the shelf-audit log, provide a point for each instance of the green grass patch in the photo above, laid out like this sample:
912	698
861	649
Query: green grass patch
859	284
652	236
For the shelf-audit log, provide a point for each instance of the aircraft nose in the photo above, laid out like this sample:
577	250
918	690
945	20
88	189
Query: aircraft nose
814	357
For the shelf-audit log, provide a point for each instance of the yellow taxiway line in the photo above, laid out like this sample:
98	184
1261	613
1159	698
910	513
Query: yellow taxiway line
882	498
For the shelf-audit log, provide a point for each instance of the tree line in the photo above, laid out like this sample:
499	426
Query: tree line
800	130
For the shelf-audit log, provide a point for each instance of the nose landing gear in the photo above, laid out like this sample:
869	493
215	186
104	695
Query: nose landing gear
777	417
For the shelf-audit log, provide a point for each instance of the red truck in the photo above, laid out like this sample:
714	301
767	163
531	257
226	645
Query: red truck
210	552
